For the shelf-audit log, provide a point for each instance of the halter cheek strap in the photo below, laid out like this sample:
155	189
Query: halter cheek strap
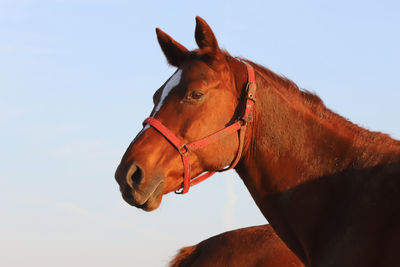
184	149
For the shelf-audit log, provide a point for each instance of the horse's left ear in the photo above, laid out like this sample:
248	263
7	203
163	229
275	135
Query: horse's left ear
173	51
205	38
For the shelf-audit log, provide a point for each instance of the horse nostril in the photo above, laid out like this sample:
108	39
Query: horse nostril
135	176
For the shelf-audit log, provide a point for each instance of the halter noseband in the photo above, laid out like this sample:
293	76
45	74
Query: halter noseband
184	149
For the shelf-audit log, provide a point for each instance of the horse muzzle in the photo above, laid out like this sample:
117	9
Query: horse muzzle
137	191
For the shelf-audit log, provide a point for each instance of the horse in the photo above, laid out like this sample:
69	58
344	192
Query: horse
329	188
250	246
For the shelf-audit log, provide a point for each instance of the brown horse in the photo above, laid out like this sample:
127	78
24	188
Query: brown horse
329	188
251	246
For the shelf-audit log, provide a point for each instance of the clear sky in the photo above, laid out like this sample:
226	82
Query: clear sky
76	80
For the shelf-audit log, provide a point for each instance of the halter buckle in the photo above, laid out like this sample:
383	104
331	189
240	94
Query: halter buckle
251	91
183	150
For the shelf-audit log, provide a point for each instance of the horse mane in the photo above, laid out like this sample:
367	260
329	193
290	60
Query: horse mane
317	108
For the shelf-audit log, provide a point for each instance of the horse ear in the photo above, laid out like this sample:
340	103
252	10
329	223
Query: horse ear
205	37
173	51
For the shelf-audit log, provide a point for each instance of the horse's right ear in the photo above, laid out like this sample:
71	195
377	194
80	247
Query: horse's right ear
205	38
173	51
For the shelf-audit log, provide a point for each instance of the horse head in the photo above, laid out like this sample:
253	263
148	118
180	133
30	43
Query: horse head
199	99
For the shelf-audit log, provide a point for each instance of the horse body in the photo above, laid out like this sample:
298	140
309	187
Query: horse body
251	246
328	187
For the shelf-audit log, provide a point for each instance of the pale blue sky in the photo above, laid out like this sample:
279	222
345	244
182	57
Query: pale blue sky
76	80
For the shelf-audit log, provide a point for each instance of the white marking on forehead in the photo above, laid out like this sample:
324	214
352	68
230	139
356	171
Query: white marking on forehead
172	82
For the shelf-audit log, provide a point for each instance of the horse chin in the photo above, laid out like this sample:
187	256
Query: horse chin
152	202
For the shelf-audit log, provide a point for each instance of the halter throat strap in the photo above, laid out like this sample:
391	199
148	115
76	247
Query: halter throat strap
185	148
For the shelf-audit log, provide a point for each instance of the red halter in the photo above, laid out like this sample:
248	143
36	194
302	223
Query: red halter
184	149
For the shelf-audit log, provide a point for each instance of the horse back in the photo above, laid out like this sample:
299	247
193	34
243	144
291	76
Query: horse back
252	246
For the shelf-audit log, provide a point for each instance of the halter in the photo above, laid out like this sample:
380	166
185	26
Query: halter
184	149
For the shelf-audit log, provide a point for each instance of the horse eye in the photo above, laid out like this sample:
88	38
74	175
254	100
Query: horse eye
196	95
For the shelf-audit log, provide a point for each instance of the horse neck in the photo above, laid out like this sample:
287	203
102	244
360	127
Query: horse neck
294	154
294	138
